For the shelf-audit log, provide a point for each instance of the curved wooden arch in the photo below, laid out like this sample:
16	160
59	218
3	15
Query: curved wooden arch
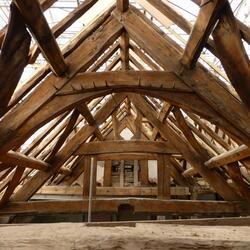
162	85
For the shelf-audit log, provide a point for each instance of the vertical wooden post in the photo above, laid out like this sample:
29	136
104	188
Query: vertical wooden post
136	172
86	177
122	174
124	47
144	172
122	5
107	179
163	175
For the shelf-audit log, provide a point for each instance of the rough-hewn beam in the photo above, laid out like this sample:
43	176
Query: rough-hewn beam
13	57
84	110
244	29
32	185
122	5
134	146
163	177
45	94
139	204
66	22
232	53
69	48
15	158
124	44
213	178
45	4
107	190
207	86
124	79
207	17
146	59
42	33
231	156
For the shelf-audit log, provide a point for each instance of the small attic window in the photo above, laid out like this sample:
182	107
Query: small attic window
126	134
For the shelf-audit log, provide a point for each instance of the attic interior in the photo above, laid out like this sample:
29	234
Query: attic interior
124	111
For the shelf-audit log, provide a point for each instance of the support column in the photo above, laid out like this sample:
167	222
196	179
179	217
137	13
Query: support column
144	172
86	176
122	174
163	175
136	173
107	179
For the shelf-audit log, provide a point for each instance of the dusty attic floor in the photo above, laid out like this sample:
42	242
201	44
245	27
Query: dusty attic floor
143	236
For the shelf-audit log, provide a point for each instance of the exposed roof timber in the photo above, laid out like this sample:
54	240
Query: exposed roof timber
228	157
205	22
208	88
40	29
61	26
168	133
140	205
45	4
82	58
228	43
80	137
14	56
245	30
67	50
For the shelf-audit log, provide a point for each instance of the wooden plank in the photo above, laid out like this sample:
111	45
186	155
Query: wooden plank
230	156
42	33
135	146
140	205
232	53
205	22
13	57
